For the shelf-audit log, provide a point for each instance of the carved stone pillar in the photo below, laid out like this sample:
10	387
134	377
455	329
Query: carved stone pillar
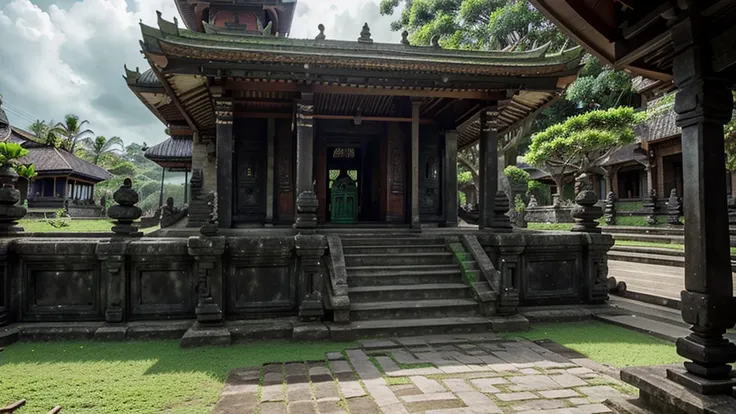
488	155
225	174
508	265
703	105
306	202
112	254
207	252
598	246
310	249
450	185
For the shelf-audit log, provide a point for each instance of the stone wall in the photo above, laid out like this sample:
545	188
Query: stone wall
85	211
549	214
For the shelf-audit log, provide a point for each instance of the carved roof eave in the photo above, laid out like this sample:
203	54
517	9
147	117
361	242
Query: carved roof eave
169	41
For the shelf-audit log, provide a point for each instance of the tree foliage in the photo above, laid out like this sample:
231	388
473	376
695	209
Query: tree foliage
582	141
71	130
101	146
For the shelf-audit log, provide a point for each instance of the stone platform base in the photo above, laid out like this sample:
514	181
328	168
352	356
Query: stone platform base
659	395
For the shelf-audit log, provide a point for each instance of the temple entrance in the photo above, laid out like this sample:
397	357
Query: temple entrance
250	171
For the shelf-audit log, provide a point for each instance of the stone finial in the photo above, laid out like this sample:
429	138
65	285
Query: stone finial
311	308
650	206
10	211
436	41
211	227
533	203
306	209
674	209
365	35
405	38
321	35
501	206
610	209
585	213
126	212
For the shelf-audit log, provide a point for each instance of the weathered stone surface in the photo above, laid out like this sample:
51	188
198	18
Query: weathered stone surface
515	396
311	332
199	335
553	394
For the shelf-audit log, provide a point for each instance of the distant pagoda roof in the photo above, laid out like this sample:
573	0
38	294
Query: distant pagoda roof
175	152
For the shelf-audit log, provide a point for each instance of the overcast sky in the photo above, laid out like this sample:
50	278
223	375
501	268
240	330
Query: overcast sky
67	56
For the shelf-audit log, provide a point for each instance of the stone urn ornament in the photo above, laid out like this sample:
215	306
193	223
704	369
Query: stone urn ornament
586	213
126	211
10	211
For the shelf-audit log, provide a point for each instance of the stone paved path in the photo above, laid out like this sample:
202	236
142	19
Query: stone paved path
477	373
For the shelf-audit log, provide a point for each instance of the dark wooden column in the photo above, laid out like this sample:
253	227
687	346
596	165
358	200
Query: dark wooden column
225	174
450	184
415	105
703	106
306	203
488	158
270	154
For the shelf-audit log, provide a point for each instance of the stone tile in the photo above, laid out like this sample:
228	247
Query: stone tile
349	385
580	371
387	364
491	346
273	392
383	395
454	368
405	389
324	390
578	401
592	409
329	406
404	357
319	371
364	367
394	409
568	380
333	356
540	405
515	396
599	393
298	392
412	341
462	410
363	405
415	371
465	359
340	366
273	378
529	371
302	407
237	403
466	346
552	394
532	383
378	344
480	368
458	385
426	385
429	397
424	406
273	368
487	384
547	364
478	402
295	368
272	408
476	352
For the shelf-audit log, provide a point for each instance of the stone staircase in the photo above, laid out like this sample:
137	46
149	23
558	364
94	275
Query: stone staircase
407	285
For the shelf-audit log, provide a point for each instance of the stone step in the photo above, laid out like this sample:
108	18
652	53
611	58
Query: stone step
413	327
648	258
413	309
402	275
649	311
661	330
398	259
662	231
663	251
392	240
644	237
392	249
365	294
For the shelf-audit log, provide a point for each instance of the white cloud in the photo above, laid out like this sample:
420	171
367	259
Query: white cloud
67	56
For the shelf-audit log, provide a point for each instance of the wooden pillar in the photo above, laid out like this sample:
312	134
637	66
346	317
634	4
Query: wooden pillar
650	179
269	169
161	193
225	176
488	158
415	223
306	202
703	105
450	184
186	186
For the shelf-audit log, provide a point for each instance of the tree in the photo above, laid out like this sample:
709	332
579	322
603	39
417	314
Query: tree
71	130
580	143
101	146
45	133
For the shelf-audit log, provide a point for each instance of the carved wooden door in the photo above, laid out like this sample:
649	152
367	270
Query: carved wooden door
430	179
250	173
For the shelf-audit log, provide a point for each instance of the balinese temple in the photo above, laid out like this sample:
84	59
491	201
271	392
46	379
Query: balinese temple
367	132
63	179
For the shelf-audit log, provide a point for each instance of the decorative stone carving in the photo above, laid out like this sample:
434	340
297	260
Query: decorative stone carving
112	254
321	35
599	282
365	35
10	212
306	209
436	41
650	207
310	249
170	214
207	251
674	209
533	203
610	209
405	38
585	213
501	222
199	209
126	212
311	308
212	227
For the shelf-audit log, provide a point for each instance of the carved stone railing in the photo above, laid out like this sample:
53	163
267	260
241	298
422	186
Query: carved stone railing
337	288
483	282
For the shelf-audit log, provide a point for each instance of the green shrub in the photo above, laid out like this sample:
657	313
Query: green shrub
516	174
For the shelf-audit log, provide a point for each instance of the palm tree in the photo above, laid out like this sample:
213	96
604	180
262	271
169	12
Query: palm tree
45	133
101	146
71	129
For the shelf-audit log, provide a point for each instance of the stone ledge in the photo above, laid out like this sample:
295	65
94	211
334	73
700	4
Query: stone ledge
200	335
9	336
512	323
557	315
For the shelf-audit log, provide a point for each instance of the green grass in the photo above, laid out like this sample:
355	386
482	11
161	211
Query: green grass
550	226
607	344
75	226
139	377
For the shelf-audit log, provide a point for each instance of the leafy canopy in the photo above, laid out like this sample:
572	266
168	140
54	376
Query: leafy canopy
10	152
582	140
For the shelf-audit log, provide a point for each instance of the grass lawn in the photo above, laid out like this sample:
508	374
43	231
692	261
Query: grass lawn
75	226
139	377
550	226
607	344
